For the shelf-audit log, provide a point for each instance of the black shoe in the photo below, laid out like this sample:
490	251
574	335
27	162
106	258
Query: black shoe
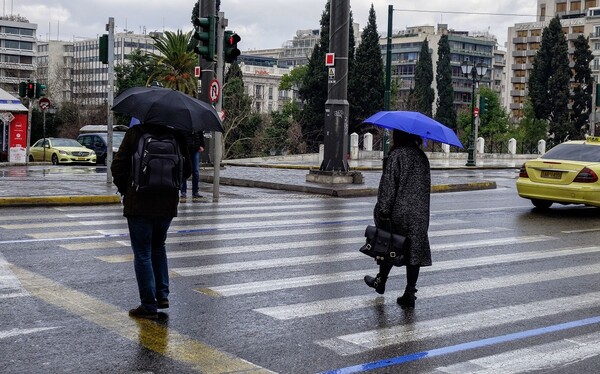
196	196
377	283
140	312
163	304
408	299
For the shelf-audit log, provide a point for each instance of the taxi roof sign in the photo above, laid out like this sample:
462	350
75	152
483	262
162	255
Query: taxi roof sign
592	139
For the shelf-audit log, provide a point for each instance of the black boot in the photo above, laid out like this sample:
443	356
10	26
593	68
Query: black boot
408	299
378	283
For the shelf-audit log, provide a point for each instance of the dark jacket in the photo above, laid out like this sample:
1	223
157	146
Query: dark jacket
194	141
145	204
403	196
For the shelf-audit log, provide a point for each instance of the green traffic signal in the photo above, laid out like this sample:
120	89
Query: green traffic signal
205	34
40	90
483	105
230	49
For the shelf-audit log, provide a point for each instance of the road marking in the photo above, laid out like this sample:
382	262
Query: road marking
342	304
388	362
540	357
153	336
431	329
10	287
313	280
16	332
299	260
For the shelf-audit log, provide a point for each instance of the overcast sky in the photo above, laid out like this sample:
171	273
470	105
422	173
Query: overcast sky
261	23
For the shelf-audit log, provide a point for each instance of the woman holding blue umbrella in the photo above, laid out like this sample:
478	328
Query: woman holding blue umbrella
403	207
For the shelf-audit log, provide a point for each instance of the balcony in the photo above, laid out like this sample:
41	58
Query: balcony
519	40
515	106
518	66
534	39
519	53
518	80
520	93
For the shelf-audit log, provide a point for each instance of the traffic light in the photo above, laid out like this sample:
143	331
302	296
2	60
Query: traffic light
103	48
40	90
30	90
205	34
230	49
22	89
597	94
483	105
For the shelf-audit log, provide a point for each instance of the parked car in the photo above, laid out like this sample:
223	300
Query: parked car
98	142
61	150
566	174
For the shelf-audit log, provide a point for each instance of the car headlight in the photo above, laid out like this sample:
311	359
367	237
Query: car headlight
63	152
115	149
92	153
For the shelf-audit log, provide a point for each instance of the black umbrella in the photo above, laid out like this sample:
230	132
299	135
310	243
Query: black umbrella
167	107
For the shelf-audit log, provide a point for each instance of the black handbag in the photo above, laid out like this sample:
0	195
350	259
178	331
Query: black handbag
384	246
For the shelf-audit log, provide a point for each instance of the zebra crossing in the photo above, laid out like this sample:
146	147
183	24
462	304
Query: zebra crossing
311	245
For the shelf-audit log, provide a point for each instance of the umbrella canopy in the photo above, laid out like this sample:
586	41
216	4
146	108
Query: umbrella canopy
167	107
415	123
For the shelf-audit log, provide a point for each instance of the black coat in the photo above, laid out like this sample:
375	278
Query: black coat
145	204
403	196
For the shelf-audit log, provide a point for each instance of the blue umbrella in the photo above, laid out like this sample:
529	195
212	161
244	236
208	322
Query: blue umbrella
415	123
134	121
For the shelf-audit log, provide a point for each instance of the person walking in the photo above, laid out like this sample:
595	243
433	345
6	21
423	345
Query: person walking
149	215
195	145
403	205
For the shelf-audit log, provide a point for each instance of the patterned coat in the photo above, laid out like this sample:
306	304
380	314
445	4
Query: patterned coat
403	196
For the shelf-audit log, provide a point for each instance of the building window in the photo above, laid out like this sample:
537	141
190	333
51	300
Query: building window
576	5
562	7
590	4
270	93
258	91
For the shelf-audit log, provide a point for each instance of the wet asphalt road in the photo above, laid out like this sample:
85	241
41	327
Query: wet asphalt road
271	281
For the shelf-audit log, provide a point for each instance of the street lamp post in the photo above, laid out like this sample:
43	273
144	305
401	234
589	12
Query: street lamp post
476	72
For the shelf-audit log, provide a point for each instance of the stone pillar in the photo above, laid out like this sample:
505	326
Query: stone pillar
368	142
445	148
541	146
480	146
321	153
354	146
512	146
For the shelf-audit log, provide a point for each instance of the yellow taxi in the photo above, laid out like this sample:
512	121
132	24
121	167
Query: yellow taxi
566	174
61	151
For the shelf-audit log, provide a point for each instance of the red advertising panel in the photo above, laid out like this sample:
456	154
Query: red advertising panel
18	131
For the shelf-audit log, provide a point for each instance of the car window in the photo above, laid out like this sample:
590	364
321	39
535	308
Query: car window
66	143
574	152
38	143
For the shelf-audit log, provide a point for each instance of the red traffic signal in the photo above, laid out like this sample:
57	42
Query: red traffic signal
30	90
230	49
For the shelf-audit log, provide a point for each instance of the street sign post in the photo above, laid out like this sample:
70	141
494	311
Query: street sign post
214	91
44	103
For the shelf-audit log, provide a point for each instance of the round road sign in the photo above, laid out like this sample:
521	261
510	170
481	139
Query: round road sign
214	90
44	103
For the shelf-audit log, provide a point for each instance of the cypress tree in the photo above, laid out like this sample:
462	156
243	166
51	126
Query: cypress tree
424	93
583	86
445	112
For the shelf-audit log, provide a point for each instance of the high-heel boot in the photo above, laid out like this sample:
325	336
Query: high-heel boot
378	283
408	299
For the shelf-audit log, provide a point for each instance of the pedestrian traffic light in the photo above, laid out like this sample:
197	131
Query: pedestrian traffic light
22	89
230	49
483	105
30	90
103	48
205	34
40	90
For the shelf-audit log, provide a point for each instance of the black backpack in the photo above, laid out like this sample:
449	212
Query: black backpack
157	164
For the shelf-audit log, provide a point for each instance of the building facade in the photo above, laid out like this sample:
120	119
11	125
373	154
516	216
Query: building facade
55	69
17	52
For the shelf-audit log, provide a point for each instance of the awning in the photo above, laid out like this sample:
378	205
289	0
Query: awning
9	103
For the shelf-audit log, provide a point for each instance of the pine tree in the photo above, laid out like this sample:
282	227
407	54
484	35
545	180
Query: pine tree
366	85
424	93
582	91
445	112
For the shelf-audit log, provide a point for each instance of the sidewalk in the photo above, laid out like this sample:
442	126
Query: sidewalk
44	184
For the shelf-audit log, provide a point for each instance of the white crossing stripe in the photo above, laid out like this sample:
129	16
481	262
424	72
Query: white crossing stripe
16	332
222	251
287	261
455	325
10	287
232	217
540	358
313	280
301	310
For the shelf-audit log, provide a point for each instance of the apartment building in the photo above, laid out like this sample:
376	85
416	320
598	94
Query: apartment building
55	69
17	52
578	17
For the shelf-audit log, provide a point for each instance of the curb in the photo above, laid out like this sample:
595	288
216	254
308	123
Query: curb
342	192
59	200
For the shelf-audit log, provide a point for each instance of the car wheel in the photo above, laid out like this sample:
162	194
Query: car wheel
541	204
54	159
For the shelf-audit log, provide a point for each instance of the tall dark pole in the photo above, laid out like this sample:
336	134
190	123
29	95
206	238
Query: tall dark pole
471	155
388	74
336	107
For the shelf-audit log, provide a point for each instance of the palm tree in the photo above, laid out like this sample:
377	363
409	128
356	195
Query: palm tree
174	67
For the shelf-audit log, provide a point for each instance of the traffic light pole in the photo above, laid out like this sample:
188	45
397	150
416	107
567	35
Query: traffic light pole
217	136
110	27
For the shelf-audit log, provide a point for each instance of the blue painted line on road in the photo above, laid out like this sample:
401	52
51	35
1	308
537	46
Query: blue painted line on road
463	347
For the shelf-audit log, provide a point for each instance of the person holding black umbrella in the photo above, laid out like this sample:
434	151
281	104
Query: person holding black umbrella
149	213
403	207
195	145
